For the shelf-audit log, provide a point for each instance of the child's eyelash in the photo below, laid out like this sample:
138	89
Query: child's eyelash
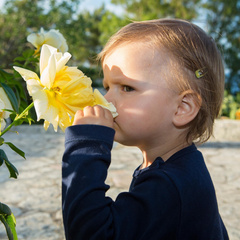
127	88
106	88
124	88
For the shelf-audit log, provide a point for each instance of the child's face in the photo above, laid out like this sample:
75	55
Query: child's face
134	78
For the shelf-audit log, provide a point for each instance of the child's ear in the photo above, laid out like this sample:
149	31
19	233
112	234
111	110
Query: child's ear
188	107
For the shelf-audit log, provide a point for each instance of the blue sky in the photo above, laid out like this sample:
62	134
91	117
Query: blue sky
91	5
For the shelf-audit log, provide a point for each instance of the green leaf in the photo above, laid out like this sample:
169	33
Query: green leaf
19	59
11	96
12	224
8	229
11	168
5	75
34	60
3	156
28	53
9	222
15	149
5	209
1	141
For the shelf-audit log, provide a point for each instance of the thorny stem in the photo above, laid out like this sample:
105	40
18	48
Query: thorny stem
17	118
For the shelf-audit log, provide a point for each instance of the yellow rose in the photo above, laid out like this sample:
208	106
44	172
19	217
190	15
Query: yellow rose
61	90
4	104
53	38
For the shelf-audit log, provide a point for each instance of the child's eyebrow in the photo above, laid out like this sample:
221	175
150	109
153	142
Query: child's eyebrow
105	81
116	80
124	80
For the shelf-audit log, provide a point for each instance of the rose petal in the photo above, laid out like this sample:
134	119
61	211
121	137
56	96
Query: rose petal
41	103
26	74
5	104
49	73
46	125
64	59
33	86
100	100
36	39
46	53
3	124
52	38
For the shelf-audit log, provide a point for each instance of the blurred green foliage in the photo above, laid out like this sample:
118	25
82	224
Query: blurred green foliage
230	105
223	24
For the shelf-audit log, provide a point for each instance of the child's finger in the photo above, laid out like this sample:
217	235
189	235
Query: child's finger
88	111
102	112
108	115
78	115
94	115
99	111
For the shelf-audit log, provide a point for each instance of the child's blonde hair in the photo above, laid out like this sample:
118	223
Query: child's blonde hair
201	67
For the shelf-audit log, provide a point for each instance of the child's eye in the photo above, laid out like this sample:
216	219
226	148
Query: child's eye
127	89
106	89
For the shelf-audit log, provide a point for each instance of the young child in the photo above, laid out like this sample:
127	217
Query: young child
166	80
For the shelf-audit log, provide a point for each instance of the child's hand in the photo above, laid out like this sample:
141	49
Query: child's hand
94	115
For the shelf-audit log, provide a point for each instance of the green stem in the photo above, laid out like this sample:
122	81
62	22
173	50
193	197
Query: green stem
17	118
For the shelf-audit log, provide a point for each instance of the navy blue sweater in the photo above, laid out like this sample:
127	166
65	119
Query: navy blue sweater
172	200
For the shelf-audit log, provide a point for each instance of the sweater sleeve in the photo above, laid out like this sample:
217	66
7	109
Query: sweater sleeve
85	162
143	213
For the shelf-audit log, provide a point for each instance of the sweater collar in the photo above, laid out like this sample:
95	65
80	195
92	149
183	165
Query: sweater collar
159	161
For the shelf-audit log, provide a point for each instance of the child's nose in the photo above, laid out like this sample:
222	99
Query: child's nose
110	97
